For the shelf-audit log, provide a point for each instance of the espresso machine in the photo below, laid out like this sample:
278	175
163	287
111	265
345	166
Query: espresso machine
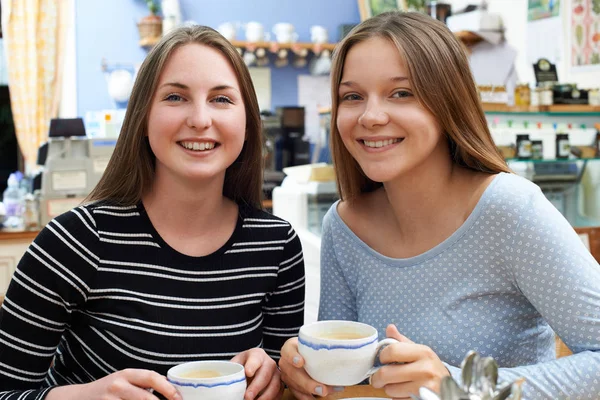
271	132
72	166
284	144
291	149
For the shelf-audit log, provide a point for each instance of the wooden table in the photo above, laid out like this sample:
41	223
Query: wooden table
352	391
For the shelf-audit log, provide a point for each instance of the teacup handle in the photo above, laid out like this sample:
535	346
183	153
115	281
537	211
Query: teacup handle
377	363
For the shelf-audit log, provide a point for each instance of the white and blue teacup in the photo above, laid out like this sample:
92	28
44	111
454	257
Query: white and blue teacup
340	353
209	380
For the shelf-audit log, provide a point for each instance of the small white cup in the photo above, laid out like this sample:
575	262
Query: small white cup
284	33
230	384
228	30
340	362
318	34
255	32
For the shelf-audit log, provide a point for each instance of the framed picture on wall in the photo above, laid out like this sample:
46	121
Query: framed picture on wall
370	8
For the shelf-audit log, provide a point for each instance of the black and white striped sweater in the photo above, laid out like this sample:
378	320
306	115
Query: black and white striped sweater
99	291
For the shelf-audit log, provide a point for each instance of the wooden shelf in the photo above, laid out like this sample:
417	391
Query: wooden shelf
468	38
275	45
505	109
554	109
148	43
573	108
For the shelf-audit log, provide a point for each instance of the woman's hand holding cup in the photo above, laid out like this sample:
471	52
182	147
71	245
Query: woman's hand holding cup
262	374
328	355
302	386
412	366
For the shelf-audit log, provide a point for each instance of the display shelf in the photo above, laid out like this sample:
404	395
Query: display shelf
557	109
289	46
468	38
148	43
552	161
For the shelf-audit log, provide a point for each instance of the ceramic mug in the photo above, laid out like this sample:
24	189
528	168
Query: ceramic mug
318	34
284	33
228	30
340	353
209	380
255	32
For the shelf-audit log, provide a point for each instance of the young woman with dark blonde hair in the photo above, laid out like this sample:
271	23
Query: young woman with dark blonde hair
435	242
172	259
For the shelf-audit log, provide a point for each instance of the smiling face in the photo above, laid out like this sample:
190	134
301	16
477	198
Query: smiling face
197	120
379	119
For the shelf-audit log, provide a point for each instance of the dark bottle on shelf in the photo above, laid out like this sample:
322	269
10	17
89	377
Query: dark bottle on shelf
598	142
562	146
523	147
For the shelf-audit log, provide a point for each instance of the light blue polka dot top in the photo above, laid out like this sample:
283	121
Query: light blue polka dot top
513	274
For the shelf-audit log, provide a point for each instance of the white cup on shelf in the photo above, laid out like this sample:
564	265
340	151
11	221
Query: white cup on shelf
318	34
285	32
228	30
255	32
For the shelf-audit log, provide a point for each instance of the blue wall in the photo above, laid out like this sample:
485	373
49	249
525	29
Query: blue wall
107	29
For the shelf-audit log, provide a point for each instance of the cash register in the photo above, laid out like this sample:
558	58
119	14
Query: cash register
72	166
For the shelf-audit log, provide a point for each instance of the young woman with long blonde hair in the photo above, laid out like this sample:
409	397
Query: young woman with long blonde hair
172	259
435	242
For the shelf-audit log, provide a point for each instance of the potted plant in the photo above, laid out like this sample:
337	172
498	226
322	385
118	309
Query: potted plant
150	26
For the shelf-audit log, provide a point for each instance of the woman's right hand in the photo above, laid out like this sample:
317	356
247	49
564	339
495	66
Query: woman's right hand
295	377
128	384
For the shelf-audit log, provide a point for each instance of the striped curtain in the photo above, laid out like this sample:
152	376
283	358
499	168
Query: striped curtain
34	32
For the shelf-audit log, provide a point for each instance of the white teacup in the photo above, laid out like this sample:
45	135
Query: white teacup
255	32
284	33
318	34
209	380
228	30
340	353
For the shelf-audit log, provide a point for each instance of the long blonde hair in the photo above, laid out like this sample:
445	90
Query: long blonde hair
130	171
442	81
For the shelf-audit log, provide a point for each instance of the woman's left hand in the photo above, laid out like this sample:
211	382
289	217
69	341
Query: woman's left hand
264	379
421	367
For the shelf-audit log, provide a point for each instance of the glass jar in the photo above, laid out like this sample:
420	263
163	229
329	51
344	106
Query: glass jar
31	213
546	94
523	147
534	99
522	95
563	149
594	97
485	93
537	150
499	95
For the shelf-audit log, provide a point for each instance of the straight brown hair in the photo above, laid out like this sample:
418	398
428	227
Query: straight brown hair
442	82
130	172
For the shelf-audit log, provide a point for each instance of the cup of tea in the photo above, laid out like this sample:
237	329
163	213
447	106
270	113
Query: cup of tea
209	380
340	353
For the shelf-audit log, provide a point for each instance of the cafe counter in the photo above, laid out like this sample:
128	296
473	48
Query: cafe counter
13	244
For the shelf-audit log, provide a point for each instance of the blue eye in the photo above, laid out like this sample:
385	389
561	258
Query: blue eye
173	97
351	97
402	94
223	99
